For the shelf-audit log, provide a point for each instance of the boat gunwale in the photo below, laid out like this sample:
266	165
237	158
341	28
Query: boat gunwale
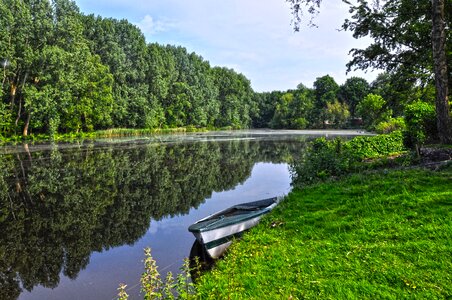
223	221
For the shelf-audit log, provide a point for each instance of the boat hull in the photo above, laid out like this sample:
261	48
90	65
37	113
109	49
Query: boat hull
217	236
218	240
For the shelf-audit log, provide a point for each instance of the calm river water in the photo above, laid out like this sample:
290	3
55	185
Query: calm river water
75	217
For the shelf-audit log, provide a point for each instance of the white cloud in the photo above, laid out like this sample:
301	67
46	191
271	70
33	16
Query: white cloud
150	27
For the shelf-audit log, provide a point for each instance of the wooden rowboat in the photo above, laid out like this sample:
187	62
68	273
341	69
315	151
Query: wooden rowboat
217	231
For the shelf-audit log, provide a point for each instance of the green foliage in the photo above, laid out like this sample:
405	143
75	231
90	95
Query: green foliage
153	287
373	110
122	47
57	84
184	286
399	92
337	114
420	124
411	41
151	283
325	91
393	124
292	109
401	34
5	119
353	91
382	235
363	147
282	110
324	159
266	108
71	73
66	72
300	123
235	96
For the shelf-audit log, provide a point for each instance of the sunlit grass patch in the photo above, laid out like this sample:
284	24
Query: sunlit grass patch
385	235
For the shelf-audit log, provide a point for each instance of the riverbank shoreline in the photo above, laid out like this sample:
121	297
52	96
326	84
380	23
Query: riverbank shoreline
126	132
166	136
383	235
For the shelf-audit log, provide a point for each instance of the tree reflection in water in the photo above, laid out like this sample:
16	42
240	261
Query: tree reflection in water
61	204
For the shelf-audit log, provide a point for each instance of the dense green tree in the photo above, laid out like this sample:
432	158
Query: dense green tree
398	93
293	109
54	81
5	119
281	118
181	85
404	33
353	91
78	83
122	47
27	28
235	96
373	109
63	71
266	103
131	80
161	75
325	91
196	72
337	114
178	104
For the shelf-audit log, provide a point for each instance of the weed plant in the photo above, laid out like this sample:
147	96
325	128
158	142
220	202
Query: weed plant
154	288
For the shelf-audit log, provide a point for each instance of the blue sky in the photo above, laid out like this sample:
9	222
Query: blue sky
254	37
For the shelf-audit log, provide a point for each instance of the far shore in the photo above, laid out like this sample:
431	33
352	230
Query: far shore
125	136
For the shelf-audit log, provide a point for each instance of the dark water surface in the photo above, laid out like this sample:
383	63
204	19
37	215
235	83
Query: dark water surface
75	218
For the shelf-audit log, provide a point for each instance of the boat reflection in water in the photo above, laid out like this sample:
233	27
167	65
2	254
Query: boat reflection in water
200	261
216	232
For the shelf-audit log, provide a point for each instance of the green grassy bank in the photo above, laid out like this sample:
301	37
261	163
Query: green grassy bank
384	235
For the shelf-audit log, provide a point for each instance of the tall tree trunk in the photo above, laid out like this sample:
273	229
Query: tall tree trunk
443	119
19	110
27	123
12	95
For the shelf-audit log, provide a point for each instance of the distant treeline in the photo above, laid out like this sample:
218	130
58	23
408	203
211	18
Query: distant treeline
63	71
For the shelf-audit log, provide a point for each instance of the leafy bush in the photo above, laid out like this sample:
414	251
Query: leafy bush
420	124
373	109
393	124
322	159
331	158
300	123
363	147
